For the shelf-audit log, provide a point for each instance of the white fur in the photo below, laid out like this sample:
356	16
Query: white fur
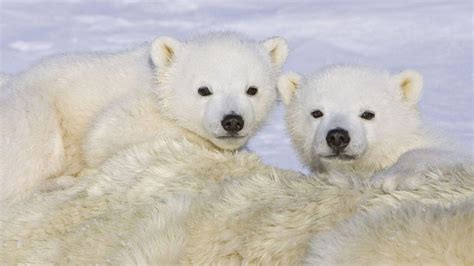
176	202
48	109
393	138
73	111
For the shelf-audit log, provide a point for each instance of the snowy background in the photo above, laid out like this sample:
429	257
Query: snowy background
433	37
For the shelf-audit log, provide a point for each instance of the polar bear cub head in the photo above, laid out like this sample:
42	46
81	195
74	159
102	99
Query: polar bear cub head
219	86
350	117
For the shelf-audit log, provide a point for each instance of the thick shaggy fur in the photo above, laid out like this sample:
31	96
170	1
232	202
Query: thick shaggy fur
413	233
71	112
177	202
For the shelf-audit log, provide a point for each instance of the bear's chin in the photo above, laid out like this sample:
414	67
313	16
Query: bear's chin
229	143
340	157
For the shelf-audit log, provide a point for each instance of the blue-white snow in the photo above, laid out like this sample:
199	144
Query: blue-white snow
433	37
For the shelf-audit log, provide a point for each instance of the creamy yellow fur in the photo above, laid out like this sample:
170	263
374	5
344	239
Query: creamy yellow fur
178	202
415	233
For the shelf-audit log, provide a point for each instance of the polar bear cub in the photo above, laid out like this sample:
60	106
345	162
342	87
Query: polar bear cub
364	121
72	112
215	91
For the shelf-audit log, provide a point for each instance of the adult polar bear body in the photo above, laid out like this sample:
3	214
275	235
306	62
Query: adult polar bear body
74	111
178	202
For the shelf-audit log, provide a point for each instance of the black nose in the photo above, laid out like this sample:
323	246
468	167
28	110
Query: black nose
232	123
338	139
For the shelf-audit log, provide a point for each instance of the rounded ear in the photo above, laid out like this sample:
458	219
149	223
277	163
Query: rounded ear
277	48
287	85
411	84
163	50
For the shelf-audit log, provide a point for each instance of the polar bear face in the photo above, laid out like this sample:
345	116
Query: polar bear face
220	86
352	117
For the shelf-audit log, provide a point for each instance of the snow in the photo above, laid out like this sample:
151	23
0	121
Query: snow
433	37
30	46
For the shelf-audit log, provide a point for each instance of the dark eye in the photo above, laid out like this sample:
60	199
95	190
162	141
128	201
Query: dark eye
204	91
367	115
317	114
252	90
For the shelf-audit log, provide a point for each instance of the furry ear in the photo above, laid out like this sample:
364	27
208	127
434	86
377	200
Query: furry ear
287	85
411	84
163	50
277	49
